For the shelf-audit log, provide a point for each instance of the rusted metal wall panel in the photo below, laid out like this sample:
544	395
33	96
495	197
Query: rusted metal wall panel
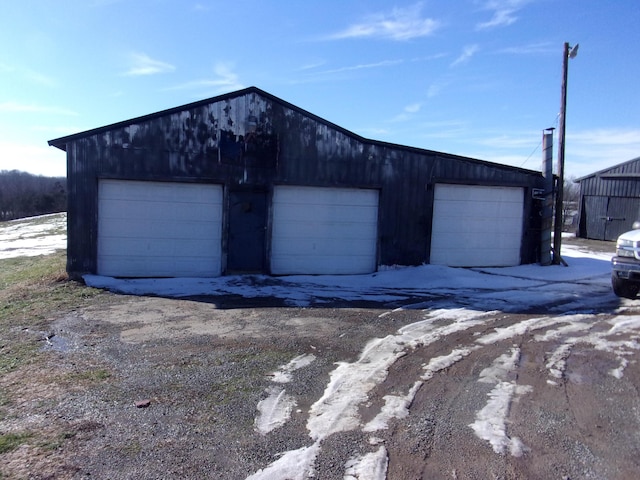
252	141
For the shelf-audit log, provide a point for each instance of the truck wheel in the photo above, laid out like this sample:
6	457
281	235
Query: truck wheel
624	288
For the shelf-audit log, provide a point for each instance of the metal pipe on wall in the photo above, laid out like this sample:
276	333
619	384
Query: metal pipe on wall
547	206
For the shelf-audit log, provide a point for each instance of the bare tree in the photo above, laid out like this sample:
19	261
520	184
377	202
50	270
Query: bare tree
570	203
24	195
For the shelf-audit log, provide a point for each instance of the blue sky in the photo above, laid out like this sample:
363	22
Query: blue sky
480	78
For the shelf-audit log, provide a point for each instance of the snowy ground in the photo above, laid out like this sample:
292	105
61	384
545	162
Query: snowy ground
569	310
29	237
509	289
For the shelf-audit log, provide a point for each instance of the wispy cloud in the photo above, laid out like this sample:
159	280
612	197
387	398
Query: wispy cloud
40	78
312	65
360	66
413	108
141	64
589	151
467	52
504	13
16	107
510	141
444	130
29	75
434	89
200	7
225	80
408	112
399	24
531	49
104	3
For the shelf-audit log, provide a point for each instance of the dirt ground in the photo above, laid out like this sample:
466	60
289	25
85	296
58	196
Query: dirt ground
148	388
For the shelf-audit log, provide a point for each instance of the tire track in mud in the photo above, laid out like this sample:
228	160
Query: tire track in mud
379	393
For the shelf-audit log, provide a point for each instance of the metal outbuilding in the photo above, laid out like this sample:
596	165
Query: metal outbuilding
246	182
609	201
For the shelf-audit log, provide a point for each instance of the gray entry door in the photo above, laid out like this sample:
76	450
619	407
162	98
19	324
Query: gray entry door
247	227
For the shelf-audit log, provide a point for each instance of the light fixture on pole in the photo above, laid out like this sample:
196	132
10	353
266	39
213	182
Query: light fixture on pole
569	52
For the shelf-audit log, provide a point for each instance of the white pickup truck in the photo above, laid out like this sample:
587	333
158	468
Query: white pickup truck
625	275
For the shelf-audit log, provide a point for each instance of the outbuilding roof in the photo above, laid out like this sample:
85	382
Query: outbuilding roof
62	142
617	171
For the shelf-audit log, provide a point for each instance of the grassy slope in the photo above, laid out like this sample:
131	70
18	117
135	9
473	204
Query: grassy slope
33	291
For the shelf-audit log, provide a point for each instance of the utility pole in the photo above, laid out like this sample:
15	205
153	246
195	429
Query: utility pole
568	52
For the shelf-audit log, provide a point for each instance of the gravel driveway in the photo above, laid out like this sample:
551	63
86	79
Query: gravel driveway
148	388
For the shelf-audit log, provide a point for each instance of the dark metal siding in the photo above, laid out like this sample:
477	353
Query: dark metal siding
610	201
257	141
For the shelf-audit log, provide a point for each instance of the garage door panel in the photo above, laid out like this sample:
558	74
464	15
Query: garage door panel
465	225
157	247
158	210
187	267
490	257
148	229
140	191
475	207
162	229
351	214
324	230
325	196
346	230
477	225
325	247
322	265
480	241
468	193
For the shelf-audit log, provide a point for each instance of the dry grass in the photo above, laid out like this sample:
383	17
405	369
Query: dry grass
33	292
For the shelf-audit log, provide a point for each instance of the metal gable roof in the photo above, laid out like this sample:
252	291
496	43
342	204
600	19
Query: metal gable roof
607	172
62	142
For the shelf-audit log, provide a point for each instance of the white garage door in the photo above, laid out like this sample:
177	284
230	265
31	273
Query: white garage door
476	226
324	230
156	229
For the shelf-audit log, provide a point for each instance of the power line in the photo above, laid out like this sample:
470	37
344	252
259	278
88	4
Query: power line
555	124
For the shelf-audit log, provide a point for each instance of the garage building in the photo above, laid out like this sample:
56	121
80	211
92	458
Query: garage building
609	201
246	182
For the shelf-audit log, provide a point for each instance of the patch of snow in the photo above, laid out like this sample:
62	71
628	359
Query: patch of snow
371	466
507	289
283	374
350	383
617	372
274	411
397	406
33	236
292	465
507	333
557	362
501	368
491	421
623	324
574	324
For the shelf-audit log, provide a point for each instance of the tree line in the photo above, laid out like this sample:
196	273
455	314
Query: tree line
25	195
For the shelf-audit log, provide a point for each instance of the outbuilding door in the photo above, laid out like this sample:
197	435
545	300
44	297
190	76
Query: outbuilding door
477	226
247	231
609	217
324	230
159	229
